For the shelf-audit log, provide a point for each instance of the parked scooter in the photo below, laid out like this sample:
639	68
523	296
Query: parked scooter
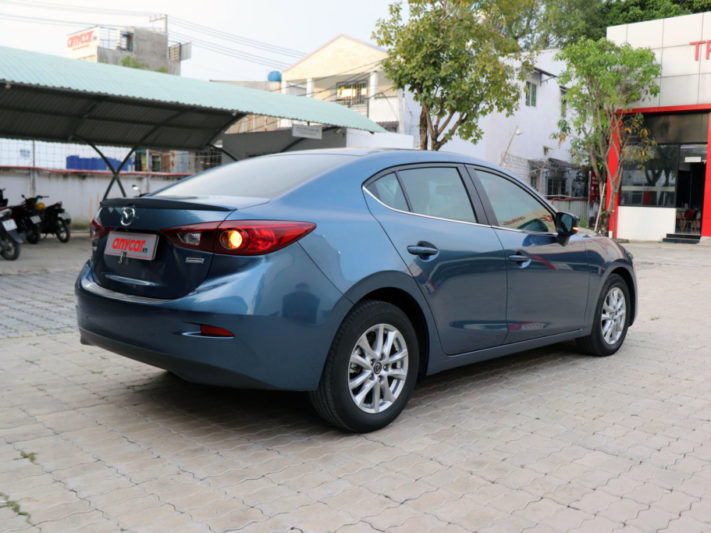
3	200
54	220
10	239
27	219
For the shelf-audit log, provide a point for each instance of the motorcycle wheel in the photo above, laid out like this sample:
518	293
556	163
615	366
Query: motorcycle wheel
63	232
33	234
10	250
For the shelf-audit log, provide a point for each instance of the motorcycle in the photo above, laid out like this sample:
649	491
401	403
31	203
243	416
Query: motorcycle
10	239
54	220
27	218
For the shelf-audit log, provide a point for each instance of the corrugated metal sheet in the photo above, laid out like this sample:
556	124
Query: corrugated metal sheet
57	99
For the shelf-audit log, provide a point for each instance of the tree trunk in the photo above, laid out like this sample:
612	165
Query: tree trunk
423	129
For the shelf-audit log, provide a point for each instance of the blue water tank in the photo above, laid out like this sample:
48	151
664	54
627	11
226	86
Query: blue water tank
274	75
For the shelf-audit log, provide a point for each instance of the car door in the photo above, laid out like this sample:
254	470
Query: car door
547	279
457	262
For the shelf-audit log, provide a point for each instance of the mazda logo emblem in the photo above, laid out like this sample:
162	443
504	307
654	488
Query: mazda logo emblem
127	216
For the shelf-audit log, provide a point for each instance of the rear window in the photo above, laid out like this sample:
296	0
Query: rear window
261	177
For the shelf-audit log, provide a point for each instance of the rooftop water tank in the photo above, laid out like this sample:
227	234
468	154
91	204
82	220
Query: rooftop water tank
274	75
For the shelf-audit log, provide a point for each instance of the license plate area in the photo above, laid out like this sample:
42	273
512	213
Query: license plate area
133	245
9	224
35	219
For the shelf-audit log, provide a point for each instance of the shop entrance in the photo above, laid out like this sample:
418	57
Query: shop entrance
690	194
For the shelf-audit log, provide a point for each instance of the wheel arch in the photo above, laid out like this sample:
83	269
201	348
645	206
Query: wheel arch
400	290
403	301
631	287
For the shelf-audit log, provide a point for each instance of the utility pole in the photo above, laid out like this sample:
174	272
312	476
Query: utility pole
164	18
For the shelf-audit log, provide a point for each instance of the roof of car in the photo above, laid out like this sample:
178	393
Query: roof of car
399	155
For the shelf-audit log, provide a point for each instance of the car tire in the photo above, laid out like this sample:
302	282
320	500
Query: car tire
371	369
63	233
611	319
10	249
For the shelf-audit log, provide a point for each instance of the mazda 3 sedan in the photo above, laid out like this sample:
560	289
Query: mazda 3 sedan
349	274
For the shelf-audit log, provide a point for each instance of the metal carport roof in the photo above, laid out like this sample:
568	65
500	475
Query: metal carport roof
52	98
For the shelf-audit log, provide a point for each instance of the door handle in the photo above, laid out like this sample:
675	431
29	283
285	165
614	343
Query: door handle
519	258
522	260
422	250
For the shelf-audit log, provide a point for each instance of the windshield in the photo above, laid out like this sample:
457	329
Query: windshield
260	177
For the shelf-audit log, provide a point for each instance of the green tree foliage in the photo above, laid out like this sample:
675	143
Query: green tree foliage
557	23
132	62
457	59
628	11
603	80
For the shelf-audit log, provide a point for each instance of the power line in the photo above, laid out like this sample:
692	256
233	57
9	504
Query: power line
186	24
232	52
54	22
214	32
85	9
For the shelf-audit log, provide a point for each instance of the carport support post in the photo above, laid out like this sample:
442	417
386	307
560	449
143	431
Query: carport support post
114	171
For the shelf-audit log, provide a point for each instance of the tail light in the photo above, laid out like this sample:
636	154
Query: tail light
96	230
239	237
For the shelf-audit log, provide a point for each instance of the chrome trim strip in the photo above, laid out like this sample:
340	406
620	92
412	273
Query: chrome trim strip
421	215
95	288
132	281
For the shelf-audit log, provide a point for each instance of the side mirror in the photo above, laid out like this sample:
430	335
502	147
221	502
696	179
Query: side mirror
566	225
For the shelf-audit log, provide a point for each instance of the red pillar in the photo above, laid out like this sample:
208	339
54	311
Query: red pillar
706	210
613	162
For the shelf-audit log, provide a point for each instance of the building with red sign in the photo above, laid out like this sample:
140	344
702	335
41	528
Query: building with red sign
671	196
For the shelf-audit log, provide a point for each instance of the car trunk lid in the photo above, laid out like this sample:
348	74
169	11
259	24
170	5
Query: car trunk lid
140	259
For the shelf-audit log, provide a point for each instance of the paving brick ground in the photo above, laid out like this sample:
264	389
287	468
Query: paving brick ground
544	441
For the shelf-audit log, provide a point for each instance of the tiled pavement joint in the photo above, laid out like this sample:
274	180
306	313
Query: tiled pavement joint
548	440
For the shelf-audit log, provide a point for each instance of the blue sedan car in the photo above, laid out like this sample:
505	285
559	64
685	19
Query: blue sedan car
349	274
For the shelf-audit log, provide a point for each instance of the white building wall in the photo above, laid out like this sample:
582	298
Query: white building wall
681	47
80	193
645	223
364	139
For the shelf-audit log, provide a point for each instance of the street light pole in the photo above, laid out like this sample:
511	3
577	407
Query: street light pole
508	147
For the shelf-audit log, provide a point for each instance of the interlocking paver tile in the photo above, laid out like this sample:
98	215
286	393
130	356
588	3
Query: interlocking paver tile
544	441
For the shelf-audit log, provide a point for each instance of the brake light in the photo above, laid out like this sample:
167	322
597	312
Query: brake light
239	237
96	230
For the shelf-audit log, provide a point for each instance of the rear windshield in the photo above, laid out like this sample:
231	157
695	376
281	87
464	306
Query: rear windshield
261	177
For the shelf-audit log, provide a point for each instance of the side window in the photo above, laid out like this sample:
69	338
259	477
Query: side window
387	190
438	192
513	206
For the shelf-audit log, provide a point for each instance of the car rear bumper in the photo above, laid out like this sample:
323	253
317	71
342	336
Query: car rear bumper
282	348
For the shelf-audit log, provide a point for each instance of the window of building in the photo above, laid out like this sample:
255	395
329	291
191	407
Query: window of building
513	206
654	183
352	93
530	91
563	101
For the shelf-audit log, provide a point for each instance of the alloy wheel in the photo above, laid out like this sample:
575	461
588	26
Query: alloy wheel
377	368
613	316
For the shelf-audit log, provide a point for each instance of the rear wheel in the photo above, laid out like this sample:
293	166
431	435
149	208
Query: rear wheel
611	319
62	232
33	234
10	249
371	369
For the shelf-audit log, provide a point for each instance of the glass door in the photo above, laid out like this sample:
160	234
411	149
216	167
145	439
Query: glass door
690	189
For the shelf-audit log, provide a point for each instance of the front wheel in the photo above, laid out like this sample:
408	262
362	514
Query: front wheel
10	249
611	319
370	370
62	232
33	234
